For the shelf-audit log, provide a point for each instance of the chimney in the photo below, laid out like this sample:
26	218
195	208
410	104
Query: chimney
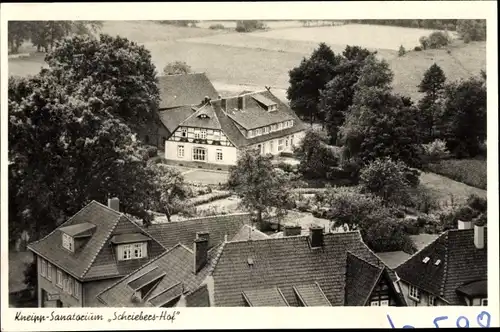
316	236
206	100
114	203
241	102
464	224
479	235
200	251
292	230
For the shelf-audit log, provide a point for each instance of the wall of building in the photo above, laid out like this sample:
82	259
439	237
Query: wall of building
51	287
271	146
424	297
229	153
92	288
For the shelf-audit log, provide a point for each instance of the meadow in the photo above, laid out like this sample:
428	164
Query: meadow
472	172
236	61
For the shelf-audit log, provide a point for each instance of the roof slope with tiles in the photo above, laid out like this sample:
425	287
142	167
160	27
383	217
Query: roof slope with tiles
94	259
184	89
284	263
172	233
460	263
176	266
361	278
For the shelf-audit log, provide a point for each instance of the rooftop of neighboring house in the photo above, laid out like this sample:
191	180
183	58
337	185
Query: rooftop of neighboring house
334	269
97	229
453	265
173	274
184	89
235	115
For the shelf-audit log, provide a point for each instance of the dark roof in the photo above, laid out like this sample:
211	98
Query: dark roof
172	117
248	232
311	295
79	262
129	238
361	278
218	227
255	116
460	263
185	89
263	100
270	297
284	263
210	120
146	279
393	258
474	289
198	298
177	266
83	229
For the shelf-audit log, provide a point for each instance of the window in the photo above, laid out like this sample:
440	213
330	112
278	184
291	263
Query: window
59	278
71	286
66	284
260	148
384	303
219	155
266	130
484	302
250	133
431	300
273	127
43	271
286	142
413	293
203	134
290	123
76	291
291	140
68	242
199	154
125	252
271	146
183	132
140	250
437	262
425	260
374	304
258	132
180	151
280	145
49	271
197	134
280	126
217	135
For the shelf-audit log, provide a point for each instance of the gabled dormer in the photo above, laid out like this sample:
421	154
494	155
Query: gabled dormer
130	246
144	284
268	104
75	236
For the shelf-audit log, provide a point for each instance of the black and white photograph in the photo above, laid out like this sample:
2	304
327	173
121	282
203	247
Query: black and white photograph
247	163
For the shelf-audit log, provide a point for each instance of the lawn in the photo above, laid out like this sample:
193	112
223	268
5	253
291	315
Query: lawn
205	177
472	172
237	61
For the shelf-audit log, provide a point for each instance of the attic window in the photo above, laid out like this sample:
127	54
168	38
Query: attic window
425	260
203	116
437	262
68	242
250	261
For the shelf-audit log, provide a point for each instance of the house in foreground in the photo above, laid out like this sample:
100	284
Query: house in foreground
99	245
211	132
451	270
252	269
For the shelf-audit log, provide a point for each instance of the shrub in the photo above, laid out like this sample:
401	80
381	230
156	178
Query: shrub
388	235
288	168
217	26
401	51
422	200
435	150
477	203
438	39
249	26
316	157
417	49
207	198
151	151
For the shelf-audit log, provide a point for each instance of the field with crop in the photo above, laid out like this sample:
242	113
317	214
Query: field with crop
236	61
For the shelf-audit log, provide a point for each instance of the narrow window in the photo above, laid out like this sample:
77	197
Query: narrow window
219	154
49	271
59	278
180	151
413	292
44	268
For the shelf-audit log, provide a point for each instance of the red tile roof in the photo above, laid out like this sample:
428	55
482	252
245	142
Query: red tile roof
284	263
185	89
460	263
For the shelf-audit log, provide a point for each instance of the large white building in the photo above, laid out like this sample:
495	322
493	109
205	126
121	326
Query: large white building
211	133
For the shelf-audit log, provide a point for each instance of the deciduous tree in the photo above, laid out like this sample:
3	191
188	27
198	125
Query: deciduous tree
177	68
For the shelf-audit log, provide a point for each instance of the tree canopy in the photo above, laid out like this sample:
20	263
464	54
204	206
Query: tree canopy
176	68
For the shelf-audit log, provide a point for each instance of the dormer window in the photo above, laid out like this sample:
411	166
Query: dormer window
272	108
130	246
68	242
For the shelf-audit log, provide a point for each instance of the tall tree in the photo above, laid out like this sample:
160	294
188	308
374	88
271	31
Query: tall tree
262	187
45	34
430	106
17	33
472	30
176	68
465	116
308	79
316	157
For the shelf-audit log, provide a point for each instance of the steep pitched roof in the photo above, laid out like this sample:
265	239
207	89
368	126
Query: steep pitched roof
176	268
460	262
94	259
248	232
361	278
254	116
78	263
171	118
393	258
204	117
184	89
286	263
169	234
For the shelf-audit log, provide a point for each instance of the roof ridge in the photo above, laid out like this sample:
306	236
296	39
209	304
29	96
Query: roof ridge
445	267
134	271
64	223
107	207
185	74
102	245
216	259
284	238
206	217
185	247
367	262
381	271
423	248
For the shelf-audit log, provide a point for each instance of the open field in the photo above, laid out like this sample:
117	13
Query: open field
241	60
472	172
448	191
